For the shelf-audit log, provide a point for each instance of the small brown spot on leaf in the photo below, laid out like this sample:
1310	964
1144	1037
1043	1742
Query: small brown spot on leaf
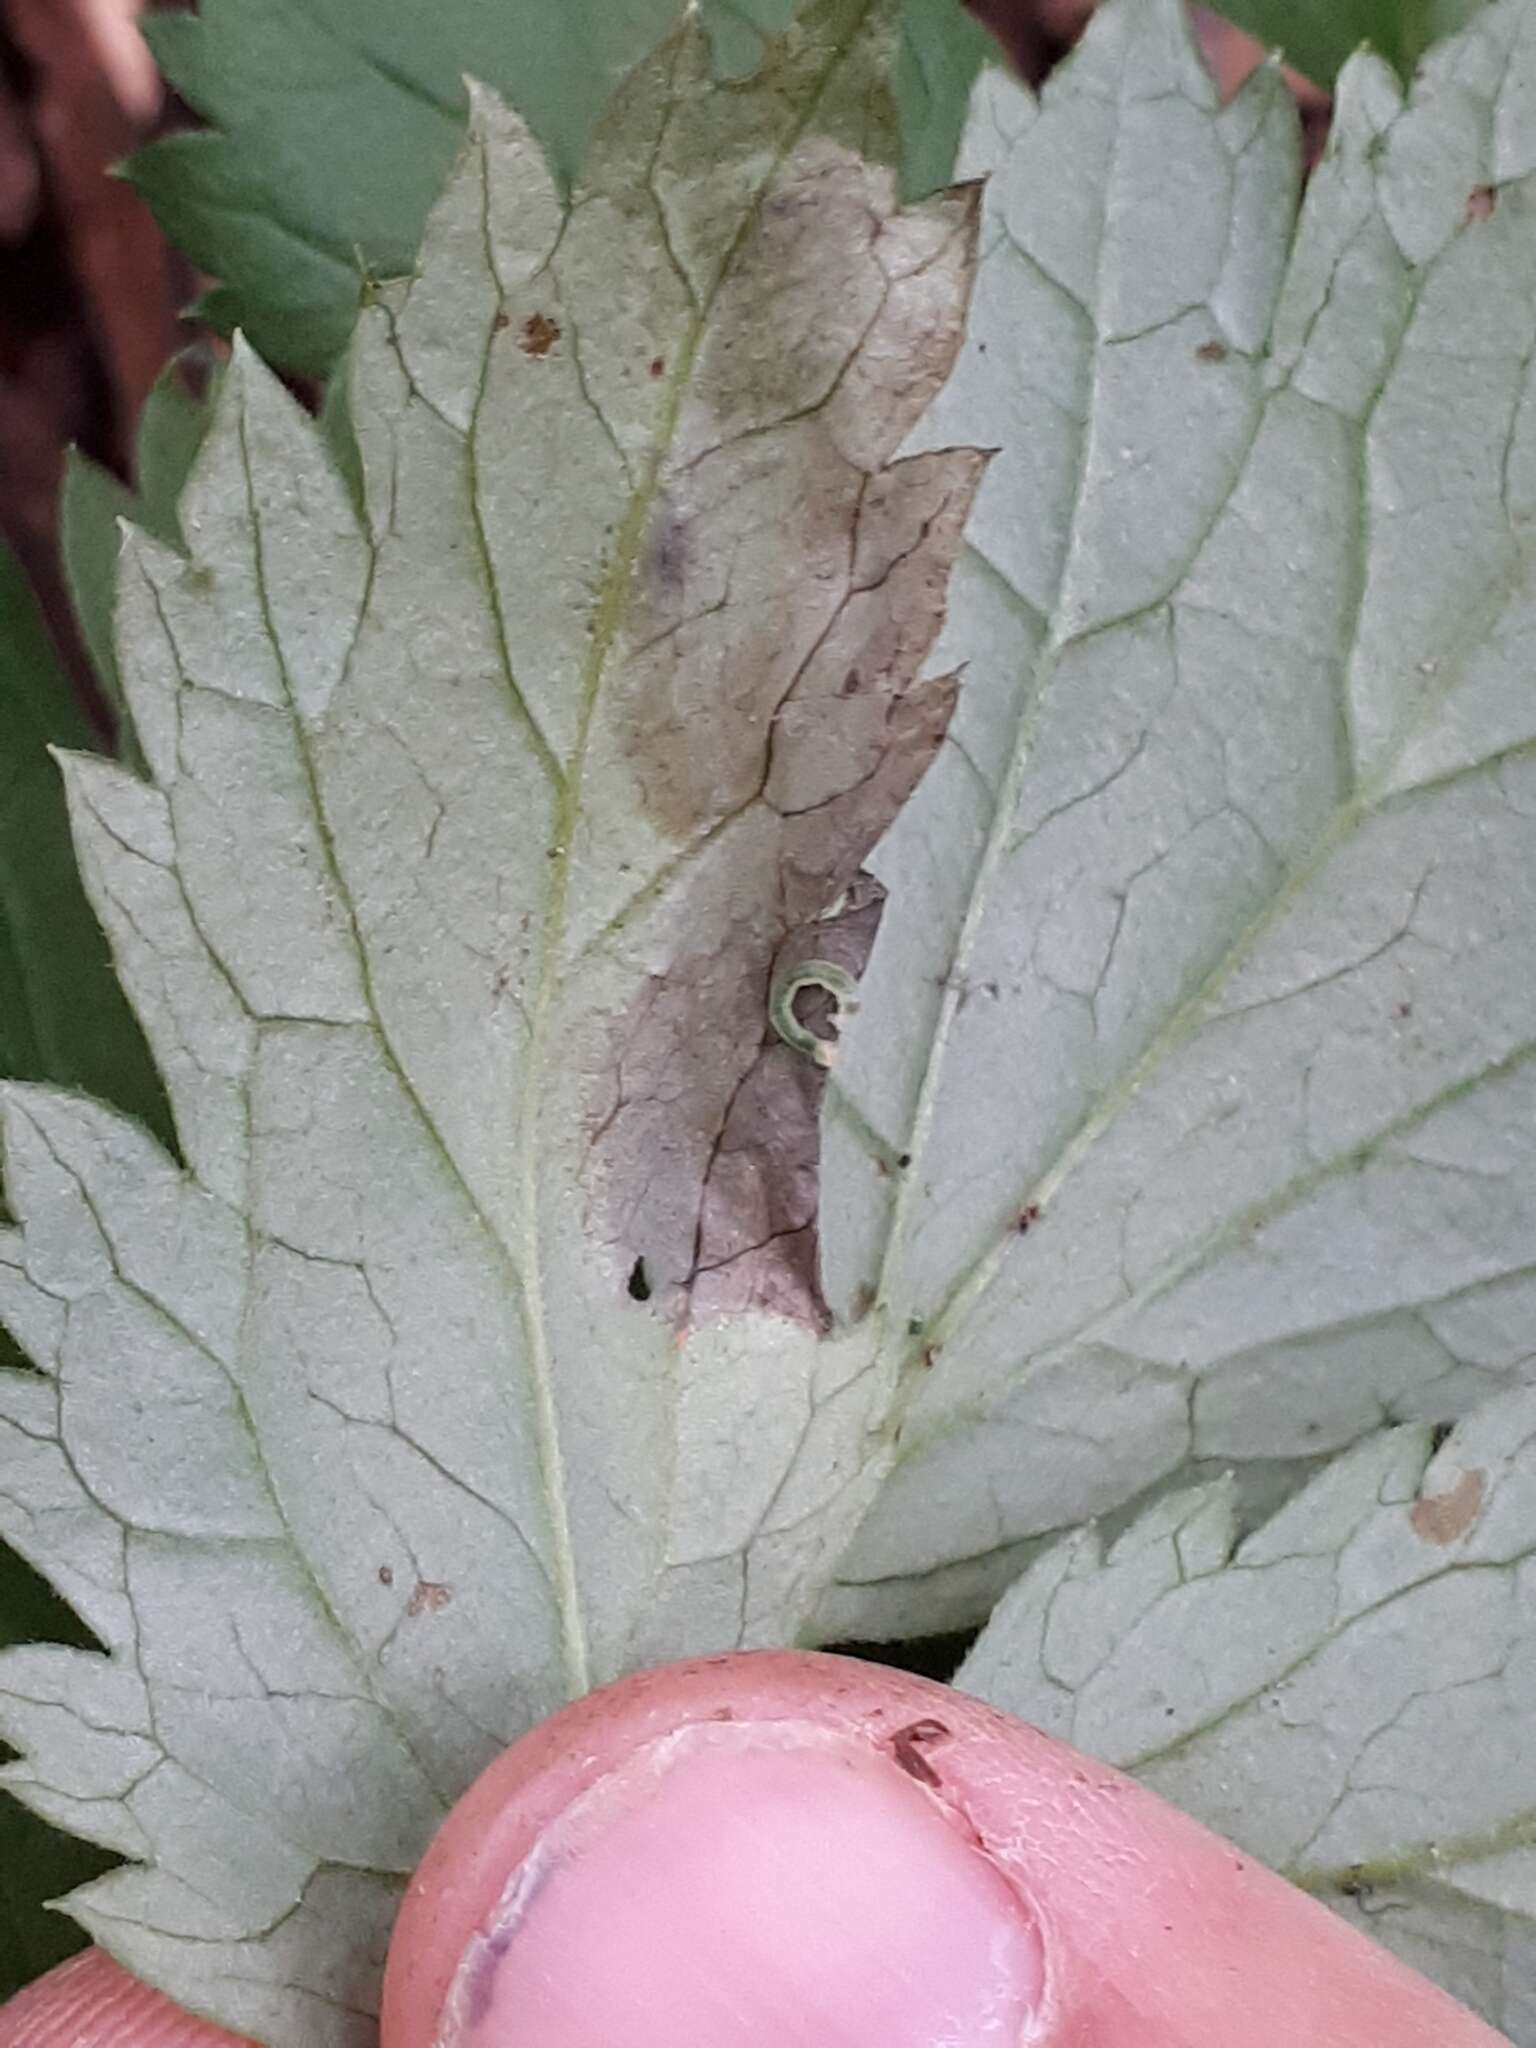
428	1598
1442	1517
906	1748
386	1576
658	366
540	334
1212	352
502	322
1481	201
1028	1218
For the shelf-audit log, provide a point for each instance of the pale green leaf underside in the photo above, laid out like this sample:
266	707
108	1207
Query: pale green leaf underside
477	814
1208	951
1348	1692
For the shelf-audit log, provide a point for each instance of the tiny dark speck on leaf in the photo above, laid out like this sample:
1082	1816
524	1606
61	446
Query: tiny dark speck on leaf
540	334
914	1326
1212	352
1442	1517
1028	1218
658	366
386	1576
638	1286
904	1161
1481	201
501	323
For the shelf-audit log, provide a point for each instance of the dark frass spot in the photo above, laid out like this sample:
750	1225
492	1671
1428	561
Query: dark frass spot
1212	352
638	1286
540	334
658	366
1481	201
386	1576
1442	1517
1028	1218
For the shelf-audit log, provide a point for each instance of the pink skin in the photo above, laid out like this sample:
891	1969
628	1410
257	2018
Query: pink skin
753	1846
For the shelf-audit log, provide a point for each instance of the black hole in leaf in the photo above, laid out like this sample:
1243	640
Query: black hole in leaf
639	1284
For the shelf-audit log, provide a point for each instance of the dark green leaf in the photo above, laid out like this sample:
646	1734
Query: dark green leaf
62	1015
942	49
1317	36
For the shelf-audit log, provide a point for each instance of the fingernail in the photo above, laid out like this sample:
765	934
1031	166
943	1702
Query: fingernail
752	1885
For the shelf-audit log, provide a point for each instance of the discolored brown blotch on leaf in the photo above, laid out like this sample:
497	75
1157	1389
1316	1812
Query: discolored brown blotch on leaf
1481	202
1212	352
539	335
769	713
1440	1518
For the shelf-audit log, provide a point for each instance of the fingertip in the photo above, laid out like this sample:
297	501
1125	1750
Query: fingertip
92	2002
781	1837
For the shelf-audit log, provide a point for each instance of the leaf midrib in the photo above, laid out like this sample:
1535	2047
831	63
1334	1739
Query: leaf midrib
609	616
